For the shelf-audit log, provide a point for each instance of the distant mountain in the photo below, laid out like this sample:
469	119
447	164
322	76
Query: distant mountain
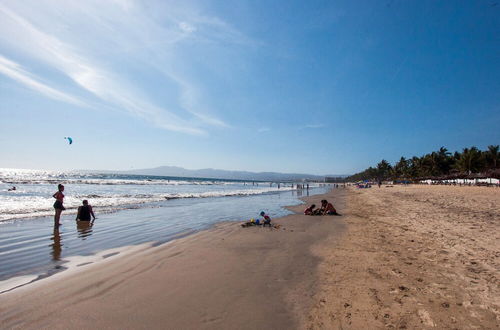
223	174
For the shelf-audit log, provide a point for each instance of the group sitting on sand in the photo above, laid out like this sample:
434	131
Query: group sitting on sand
325	209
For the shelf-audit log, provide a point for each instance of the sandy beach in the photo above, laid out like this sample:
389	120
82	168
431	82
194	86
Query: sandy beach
400	257
413	257
224	278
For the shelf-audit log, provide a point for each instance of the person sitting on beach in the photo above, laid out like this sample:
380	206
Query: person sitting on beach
84	212
327	208
267	218
310	210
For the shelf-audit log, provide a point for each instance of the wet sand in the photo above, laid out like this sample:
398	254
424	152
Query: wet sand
415	257
224	278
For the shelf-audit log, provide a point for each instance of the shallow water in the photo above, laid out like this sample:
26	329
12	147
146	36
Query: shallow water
108	192
33	247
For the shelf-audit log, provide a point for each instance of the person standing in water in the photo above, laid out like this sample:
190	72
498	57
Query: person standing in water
58	204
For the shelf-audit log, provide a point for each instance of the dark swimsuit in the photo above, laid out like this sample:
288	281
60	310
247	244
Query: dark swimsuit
58	205
84	214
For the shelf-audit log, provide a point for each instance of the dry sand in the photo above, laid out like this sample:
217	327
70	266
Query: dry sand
403	257
413	257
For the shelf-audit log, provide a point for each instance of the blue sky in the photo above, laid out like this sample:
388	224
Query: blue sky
322	87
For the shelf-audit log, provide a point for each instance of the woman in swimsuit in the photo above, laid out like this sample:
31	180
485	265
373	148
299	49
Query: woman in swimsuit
58	205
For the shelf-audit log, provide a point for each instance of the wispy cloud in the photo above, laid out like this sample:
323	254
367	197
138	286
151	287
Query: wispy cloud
93	42
16	72
263	129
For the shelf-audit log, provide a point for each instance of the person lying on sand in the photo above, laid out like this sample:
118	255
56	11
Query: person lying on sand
327	208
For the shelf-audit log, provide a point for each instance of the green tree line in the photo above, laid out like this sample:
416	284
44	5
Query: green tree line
437	164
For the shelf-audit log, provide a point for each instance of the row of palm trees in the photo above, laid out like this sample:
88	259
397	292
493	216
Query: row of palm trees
440	164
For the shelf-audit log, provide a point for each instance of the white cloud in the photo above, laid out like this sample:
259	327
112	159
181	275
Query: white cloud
88	41
186	27
16	72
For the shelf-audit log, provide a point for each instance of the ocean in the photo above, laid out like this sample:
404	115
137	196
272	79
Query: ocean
130	210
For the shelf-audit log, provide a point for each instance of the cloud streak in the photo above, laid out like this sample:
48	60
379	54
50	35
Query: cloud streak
70	37
16	72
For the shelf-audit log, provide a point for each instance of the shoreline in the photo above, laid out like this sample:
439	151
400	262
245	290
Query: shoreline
405	257
258	265
33	247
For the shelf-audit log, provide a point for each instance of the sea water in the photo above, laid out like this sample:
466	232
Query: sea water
130	210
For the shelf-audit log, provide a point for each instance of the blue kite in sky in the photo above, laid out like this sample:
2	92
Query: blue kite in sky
70	140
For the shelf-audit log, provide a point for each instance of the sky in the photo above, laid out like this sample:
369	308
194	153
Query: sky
319	87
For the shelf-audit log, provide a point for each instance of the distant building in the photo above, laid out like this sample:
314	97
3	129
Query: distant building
331	179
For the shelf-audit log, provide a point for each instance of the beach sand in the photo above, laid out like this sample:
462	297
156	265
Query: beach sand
401	257
227	277
413	257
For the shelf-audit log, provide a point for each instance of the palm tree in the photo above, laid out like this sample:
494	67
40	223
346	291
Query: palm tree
469	160
415	166
444	160
383	169
436	163
493	155
401	168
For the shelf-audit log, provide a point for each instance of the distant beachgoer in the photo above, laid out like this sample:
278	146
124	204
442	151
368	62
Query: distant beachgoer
267	218
327	208
58	205
84	212
12	189
310	210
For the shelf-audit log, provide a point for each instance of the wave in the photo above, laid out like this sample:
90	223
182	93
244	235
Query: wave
18	207
22	176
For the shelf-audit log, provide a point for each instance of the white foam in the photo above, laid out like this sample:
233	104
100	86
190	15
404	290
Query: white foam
105	192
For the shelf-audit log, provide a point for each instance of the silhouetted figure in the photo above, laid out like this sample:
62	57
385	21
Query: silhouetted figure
85	211
58	204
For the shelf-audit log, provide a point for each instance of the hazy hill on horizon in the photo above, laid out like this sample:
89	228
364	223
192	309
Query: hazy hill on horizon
225	174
